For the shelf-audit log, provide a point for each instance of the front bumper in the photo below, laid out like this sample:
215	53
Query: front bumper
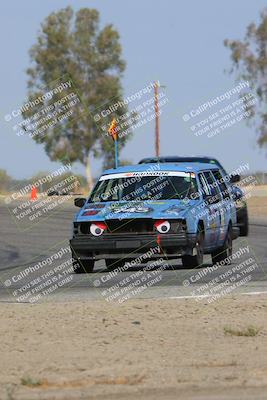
132	245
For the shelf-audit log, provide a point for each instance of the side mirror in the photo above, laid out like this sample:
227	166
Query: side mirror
79	202
237	193
235	178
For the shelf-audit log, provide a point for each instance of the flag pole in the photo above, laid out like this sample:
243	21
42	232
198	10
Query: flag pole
112	130
116	152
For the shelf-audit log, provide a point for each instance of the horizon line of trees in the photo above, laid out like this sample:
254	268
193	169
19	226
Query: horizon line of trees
8	183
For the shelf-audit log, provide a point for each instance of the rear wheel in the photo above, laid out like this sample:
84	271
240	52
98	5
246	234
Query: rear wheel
224	253
83	266
243	221
196	260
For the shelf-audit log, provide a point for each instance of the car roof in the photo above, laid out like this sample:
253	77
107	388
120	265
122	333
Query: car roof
178	159
183	167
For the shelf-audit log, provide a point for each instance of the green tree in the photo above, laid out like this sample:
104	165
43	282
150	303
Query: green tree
249	58
72	45
5	181
49	185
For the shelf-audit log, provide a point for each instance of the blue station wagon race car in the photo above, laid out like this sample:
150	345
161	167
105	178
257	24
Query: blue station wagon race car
182	210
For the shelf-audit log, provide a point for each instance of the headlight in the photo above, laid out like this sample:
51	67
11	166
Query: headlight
162	226
97	228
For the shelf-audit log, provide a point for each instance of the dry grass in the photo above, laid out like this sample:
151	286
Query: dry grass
103	380
249	331
30	382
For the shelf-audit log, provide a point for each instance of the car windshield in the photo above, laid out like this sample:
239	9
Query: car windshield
144	186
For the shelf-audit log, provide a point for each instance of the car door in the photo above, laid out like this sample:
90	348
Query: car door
212	197
226	205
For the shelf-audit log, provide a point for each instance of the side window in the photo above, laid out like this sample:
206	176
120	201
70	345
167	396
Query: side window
204	186
221	184
212	184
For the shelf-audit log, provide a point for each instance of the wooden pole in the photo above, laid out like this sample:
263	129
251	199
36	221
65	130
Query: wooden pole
156	106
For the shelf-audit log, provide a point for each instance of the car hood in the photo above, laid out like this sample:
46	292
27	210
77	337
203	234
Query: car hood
170	209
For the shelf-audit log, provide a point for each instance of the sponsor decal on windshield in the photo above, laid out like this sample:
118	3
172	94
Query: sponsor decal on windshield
146	173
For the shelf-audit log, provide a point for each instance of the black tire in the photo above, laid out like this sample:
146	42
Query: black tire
112	264
224	253
197	260
243	224
83	266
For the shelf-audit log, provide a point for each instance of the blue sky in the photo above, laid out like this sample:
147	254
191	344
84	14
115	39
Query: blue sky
178	42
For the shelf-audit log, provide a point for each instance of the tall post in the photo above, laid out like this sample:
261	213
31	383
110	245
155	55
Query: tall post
112	131
116	152
156	106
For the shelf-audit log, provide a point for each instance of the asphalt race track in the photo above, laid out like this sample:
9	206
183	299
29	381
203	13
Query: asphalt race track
21	249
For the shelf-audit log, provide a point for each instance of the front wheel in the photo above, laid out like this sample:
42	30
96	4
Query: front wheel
196	260
83	266
224	253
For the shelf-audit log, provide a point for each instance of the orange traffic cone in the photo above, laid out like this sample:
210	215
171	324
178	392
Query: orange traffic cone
34	193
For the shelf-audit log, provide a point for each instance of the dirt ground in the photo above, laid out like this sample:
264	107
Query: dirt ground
145	349
257	206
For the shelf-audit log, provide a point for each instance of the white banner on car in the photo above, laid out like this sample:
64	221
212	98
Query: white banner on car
146	173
